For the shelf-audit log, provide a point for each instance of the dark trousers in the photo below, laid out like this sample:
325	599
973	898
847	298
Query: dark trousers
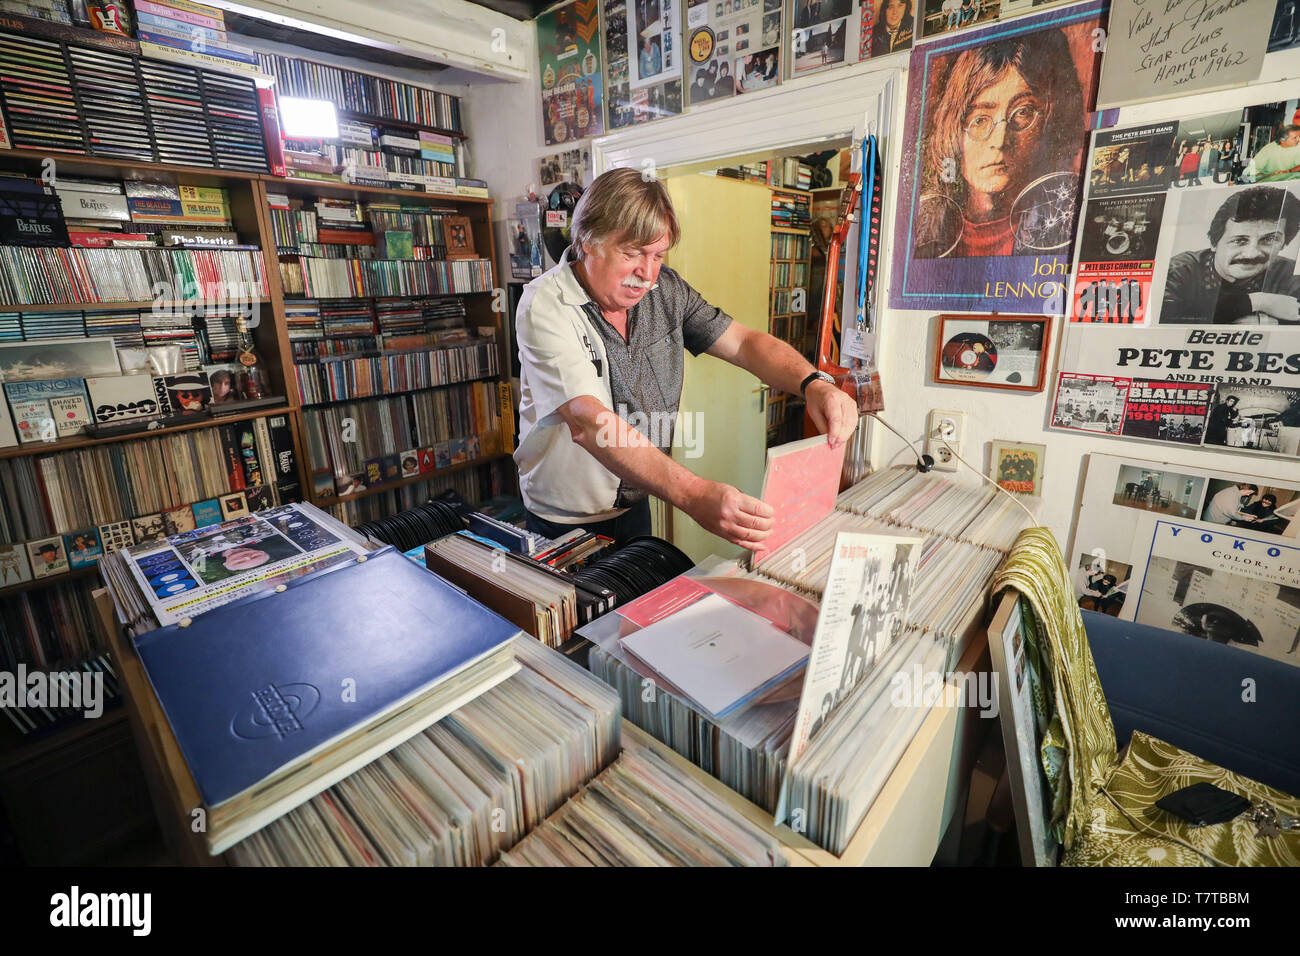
630	524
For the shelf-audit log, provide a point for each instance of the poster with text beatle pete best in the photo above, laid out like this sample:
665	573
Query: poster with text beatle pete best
998	128
1190	284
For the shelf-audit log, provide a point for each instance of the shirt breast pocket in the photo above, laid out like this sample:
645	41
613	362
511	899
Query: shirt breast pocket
661	364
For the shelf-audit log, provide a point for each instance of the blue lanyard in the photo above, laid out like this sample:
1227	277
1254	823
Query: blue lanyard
864	225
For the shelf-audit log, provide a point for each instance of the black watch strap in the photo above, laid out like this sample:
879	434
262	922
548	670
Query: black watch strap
803	386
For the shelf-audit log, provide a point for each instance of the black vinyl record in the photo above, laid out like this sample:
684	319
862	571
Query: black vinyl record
563	197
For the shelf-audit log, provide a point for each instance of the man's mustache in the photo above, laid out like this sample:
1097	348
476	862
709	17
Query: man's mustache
635	283
1248	261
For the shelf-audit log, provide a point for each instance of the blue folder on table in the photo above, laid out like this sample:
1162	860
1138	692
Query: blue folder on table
257	685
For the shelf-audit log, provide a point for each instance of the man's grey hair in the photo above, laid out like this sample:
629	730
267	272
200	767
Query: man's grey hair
623	206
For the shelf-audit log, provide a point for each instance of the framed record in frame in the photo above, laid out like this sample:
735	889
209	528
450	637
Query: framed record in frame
992	351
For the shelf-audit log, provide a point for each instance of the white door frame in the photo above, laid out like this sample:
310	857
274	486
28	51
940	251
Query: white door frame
852	102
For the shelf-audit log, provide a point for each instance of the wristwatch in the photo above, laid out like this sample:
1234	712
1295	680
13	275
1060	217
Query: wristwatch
815	376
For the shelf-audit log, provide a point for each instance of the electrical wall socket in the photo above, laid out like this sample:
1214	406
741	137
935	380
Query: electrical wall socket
952	427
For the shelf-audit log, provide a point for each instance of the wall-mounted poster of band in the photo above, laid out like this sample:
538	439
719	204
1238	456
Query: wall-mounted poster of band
1213	554
1185	281
647	85
568	53
732	47
997	132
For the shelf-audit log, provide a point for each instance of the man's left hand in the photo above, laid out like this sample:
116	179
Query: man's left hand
833	412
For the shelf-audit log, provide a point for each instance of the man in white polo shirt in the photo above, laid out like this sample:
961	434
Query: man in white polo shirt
601	339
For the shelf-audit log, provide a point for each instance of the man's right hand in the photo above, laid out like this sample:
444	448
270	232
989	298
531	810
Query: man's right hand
731	514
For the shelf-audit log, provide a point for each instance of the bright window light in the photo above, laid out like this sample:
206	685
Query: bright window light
308	119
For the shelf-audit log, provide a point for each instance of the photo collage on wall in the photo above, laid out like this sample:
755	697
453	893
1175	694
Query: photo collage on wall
732	47
660	56
990	171
641	87
568	46
1211	554
1186	283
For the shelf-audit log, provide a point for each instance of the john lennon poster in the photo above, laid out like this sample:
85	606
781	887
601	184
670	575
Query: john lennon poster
991	167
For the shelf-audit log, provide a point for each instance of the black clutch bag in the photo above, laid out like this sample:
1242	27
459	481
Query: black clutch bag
1203	804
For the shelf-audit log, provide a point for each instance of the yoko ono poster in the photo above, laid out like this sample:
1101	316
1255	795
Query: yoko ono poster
990	179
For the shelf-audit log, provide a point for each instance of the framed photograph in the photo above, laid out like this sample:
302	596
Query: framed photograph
1018	467
460	238
1016	664
993	351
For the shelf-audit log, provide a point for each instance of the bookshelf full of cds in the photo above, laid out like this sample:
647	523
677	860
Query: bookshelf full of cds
156	374
389	313
787	300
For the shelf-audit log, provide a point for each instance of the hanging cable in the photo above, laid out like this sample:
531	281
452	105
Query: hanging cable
1032	520
923	462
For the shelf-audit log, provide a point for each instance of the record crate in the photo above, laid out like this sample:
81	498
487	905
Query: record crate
923	795
903	827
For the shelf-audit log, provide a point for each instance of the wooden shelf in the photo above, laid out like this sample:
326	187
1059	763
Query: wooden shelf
408	391
789	231
405	124
108	306
68	444
18	748
402	482
415	295
78	164
37	583
309	187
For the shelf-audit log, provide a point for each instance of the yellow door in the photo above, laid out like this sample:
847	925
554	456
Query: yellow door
724	253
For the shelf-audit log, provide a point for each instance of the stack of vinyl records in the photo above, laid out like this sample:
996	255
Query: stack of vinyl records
968	532
464	790
235	120
536	598
413	527
842	771
34	720
39	101
832	785
645	811
108	88
746	750
637	568
176	108
323	594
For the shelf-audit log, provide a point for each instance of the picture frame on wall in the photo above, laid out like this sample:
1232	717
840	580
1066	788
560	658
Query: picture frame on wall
1017	466
992	351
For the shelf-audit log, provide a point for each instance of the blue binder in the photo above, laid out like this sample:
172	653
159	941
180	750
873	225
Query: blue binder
253	686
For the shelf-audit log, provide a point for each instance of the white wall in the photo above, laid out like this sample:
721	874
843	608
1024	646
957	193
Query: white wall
505	130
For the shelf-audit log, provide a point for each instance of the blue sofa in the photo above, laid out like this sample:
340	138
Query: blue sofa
1188	692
